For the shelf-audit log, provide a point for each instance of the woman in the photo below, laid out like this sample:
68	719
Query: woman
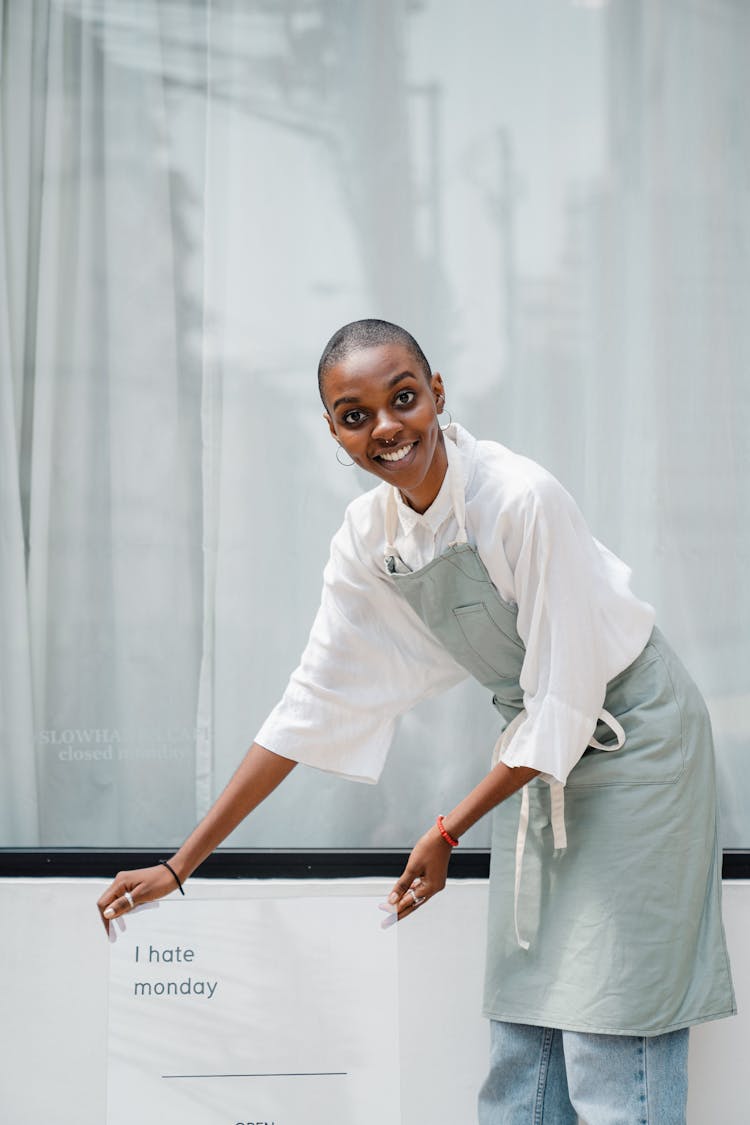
605	937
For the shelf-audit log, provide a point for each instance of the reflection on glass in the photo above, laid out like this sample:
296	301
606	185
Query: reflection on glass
194	197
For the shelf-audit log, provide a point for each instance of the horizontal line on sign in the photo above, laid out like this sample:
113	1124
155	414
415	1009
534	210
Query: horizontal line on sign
270	1074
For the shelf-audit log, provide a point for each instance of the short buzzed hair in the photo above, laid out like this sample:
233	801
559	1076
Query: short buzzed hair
367	334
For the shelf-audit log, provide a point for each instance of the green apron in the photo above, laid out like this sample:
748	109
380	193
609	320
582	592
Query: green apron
624	923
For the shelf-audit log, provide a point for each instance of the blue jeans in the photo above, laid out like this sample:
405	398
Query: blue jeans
544	1076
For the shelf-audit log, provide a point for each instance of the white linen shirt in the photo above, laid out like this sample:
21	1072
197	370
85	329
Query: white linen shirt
370	658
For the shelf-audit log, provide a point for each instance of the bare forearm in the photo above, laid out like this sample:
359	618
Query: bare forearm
501	782
256	777
426	871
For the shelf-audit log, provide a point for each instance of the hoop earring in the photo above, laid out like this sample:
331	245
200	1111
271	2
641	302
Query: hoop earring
346	464
449	422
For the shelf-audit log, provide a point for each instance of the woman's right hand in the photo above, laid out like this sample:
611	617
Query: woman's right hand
144	885
258	774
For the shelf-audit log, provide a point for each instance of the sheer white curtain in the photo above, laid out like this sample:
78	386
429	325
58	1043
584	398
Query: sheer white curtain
105	426
194	196
18	794
182	238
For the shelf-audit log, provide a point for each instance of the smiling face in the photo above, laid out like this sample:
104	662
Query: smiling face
384	412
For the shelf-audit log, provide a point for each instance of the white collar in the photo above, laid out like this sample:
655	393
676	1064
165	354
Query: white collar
450	500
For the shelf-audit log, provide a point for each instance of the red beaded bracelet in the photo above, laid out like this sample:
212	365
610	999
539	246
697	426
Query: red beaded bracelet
445	833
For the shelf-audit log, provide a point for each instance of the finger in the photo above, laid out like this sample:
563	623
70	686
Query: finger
414	897
107	897
122	882
124	903
103	902
118	907
402	885
400	914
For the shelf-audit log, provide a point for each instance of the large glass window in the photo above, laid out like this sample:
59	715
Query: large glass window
554	198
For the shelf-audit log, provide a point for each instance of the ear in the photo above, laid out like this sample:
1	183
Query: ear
438	391
329	420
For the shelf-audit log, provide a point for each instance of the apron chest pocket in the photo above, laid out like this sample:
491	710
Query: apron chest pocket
488	654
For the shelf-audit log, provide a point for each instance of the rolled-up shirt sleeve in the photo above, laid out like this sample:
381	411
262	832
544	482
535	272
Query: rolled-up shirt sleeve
368	659
579	622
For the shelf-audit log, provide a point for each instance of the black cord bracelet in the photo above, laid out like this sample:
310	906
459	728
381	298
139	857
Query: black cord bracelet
176	876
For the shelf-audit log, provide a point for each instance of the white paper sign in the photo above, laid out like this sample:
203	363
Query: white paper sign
254	1012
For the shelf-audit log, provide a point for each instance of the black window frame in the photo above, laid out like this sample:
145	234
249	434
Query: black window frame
266	863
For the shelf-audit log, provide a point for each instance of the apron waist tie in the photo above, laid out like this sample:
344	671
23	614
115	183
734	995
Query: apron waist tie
557	805
559	839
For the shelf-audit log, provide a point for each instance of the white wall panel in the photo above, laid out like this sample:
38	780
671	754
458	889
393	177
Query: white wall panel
54	1003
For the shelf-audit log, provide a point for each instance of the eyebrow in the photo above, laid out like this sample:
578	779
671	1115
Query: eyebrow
348	400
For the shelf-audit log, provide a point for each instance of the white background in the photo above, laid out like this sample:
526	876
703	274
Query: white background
54	1003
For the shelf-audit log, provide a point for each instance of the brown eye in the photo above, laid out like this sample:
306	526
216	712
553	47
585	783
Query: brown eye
405	398
352	417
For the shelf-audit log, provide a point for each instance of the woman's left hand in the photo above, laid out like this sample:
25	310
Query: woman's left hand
423	877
